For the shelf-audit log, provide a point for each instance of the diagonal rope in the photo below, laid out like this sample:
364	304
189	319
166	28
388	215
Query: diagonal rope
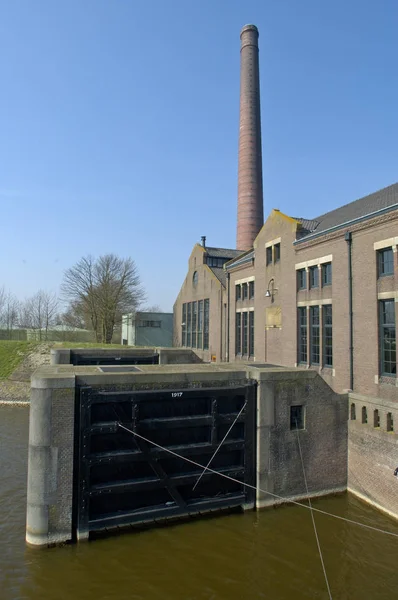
253	487
221	443
312	516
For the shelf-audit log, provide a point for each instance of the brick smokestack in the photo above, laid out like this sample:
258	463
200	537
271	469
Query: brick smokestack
250	175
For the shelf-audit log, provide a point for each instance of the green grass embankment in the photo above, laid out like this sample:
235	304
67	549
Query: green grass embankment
12	354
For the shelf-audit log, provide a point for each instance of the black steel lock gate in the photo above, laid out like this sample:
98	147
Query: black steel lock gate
79	359
121	479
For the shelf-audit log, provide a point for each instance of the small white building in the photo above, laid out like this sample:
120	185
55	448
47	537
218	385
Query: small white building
147	329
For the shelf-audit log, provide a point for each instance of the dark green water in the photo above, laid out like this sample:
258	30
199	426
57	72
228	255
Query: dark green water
271	554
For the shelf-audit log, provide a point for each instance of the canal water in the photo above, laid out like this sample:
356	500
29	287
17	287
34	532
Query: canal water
271	554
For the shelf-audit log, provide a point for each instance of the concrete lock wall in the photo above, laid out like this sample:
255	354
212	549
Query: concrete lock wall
279	469
323	440
373	451
50	460
167	356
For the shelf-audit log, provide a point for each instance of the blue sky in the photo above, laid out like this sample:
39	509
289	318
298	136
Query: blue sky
119	125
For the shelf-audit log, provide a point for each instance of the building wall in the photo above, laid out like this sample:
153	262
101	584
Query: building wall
207	286
367	290
373	452
239	276
134	333
154	336
275	315
367	286
336	252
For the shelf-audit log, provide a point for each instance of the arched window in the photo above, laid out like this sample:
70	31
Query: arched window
353	414
195	278
376	418
364	415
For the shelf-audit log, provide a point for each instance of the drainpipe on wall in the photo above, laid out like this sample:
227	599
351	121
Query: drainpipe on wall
221	325
348	239
228	305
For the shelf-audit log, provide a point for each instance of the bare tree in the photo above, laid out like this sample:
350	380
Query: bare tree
103	289
50	305
9	307
2	302
74	316
39	312
154	308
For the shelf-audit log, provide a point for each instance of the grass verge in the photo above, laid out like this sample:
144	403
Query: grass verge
11	355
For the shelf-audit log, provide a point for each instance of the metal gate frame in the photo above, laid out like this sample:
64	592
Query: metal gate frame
78	360
84	460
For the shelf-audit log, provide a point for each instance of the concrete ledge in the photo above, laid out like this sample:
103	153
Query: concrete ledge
376	505
63	356
391	404
273	502
60	356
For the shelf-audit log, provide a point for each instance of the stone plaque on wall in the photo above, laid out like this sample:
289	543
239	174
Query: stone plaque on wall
273	316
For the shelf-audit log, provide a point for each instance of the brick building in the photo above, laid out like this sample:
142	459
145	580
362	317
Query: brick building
317	294
203	301
320	294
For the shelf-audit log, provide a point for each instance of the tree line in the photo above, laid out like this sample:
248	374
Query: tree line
94	294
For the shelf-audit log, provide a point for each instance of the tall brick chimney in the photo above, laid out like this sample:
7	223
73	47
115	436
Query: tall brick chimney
250	175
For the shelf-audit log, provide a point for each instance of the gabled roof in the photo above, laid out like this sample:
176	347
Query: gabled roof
226	253
222	252
363	207
243	258
220	274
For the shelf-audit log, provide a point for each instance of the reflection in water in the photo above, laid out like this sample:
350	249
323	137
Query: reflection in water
271	554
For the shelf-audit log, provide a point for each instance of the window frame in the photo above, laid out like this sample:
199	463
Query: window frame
381	262
313	281
238	292
392	328
238	333
326	269
206	323
189	324
315	336
302	336
184	325
299	424
277	253
245	333
245	291
194	323
251	290
200	325
327	333
251	333
301	277
268	256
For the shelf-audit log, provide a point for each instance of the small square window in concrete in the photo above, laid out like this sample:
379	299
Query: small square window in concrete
121	369
297	417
